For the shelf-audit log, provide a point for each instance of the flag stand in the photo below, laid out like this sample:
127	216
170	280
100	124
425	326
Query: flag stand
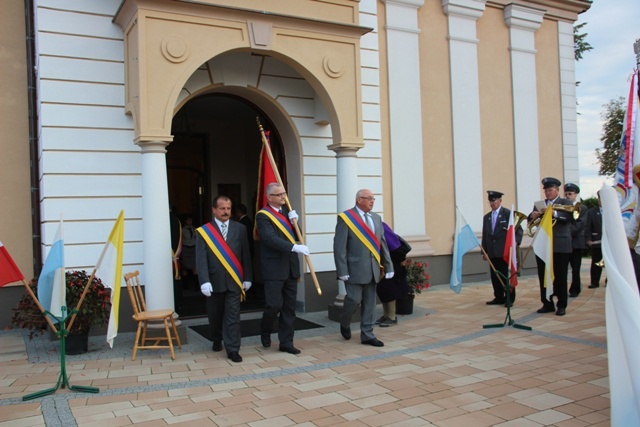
507	287
63	379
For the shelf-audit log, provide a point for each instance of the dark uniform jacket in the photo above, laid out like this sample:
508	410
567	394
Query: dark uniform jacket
593	227
493	241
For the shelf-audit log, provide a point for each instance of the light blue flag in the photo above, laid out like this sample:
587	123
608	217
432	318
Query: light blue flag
464	240
51	283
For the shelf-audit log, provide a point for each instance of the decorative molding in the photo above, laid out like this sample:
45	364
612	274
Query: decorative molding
260	34
174	48
333	66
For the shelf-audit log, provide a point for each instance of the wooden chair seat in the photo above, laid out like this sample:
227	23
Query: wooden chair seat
143	317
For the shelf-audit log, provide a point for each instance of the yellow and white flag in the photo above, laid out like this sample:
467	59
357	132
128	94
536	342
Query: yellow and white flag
109	270
543	248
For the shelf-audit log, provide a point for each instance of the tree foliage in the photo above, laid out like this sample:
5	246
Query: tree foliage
613	116
580	44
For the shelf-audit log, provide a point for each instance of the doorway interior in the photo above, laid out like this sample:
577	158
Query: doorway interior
216	150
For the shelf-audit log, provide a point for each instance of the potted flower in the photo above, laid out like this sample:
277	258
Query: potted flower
94	311
417	279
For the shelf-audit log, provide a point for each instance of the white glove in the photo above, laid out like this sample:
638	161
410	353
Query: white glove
301	249
293	215
388	275
206	289
344	278
246	285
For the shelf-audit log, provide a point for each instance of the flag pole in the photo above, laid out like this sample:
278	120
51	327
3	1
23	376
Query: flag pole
295	222
42	310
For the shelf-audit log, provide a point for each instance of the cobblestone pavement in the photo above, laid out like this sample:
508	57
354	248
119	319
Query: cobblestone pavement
438	367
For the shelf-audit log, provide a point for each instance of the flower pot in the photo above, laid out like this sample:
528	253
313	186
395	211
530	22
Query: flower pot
405	305
76	343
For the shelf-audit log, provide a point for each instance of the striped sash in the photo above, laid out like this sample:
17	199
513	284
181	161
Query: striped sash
355	223
280	221
223	252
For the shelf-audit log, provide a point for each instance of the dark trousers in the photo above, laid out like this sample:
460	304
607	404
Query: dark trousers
576	264
560	269
280	297
502	268
596	271
223	310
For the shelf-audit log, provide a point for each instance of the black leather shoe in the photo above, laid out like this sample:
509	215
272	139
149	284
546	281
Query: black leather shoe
495	301
546	309
574	294
235	357
560	312
346	333
289	349
374	342
266	340
217	346
593	286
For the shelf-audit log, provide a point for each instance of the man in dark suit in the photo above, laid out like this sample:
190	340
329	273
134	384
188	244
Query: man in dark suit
223	283
362	259
494	236
280	267
562	247
593	236
571	192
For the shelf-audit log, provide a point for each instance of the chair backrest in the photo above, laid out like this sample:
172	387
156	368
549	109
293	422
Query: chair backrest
135	292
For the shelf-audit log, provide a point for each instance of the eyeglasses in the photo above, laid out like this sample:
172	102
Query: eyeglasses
371	199
278	195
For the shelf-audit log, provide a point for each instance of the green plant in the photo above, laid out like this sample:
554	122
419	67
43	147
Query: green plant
417	276
94	311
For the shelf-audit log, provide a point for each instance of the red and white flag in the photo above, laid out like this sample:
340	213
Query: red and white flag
9	271
266	175
510	254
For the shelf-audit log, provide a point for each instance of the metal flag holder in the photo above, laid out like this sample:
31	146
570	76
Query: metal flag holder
63	379
507	287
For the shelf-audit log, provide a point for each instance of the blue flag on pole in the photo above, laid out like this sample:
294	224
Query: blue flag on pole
464	240
51	283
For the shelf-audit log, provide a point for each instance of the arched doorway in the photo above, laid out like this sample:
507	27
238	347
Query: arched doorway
216	150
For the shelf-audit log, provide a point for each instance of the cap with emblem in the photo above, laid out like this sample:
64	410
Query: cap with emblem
494	195
570	186
549	182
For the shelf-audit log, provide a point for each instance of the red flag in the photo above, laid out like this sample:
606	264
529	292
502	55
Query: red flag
266	175
510	254
9	271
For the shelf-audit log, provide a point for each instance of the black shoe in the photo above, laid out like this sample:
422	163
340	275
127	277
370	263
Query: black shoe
346	333
574	294
495	301
266	340
593	286
289	349
560	312
374	342
217	346
235	357
546	309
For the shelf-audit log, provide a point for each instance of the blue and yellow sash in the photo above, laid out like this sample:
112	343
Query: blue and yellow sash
223	252
280	221
353	220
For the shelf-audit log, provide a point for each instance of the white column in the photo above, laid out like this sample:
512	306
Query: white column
568	101
523	22
405	117
347	187
465	103
156	227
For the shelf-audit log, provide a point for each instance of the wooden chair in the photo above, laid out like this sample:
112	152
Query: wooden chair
143	317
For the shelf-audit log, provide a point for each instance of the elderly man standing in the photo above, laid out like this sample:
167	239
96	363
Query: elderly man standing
362	259
562	248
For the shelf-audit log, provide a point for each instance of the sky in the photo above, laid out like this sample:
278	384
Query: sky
612	28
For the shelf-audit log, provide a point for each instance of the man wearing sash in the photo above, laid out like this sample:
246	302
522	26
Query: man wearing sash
362	259
224	270
280	267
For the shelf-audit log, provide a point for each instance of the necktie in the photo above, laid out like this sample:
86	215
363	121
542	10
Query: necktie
369	222
494	217
223	230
